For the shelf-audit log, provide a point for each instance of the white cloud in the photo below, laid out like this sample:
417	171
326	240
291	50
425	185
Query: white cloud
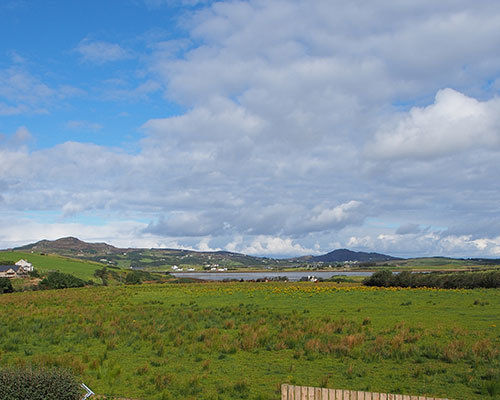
20	138
23	231
23	92
272	246
408	229
100	52
454	123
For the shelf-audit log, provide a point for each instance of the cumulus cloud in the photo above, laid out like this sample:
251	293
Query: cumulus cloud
408	229
100	52
454	123
430	243
184	224
270	245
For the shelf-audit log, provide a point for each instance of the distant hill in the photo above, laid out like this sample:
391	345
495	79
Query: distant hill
155	259
341	255
70	245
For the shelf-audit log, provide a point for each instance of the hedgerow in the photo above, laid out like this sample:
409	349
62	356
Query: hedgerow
459	280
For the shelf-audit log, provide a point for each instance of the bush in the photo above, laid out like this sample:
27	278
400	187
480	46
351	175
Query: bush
379	278
458	280
6	285
34	274
38	384
133	278
58	280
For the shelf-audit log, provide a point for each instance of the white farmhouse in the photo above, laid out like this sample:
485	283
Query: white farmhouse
27	266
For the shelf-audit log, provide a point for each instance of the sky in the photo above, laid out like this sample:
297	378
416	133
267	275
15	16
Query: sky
267	127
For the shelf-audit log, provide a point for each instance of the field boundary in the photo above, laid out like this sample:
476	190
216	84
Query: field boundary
292	392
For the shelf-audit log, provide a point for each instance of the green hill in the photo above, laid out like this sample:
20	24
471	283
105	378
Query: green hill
50	262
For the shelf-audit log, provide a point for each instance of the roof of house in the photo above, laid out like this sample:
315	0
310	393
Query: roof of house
4	268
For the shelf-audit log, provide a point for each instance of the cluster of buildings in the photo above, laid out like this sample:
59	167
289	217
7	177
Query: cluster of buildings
175	268
19	269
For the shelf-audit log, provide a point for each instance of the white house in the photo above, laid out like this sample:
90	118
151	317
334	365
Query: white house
27	266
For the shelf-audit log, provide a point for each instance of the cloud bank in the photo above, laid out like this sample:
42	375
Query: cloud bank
304	126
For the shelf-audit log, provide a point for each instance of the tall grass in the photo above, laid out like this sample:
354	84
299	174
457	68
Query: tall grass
237	340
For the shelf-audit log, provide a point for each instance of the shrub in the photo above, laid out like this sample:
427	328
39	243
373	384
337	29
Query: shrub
379	278
6	285
459	280
38	384
133	278
34	274
58	280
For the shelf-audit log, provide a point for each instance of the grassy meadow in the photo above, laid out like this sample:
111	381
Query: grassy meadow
242	340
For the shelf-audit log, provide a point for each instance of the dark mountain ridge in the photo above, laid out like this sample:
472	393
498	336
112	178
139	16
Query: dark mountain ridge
341	255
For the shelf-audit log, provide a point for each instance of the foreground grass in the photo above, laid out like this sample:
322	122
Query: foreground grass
242	340
50	262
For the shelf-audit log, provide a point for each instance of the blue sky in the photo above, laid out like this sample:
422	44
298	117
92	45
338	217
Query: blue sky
272	128
44	40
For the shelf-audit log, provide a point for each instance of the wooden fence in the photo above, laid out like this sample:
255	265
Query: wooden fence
290	392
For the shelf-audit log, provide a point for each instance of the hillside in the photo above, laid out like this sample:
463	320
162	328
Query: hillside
153	259
83	269
69	245
341	255
163	259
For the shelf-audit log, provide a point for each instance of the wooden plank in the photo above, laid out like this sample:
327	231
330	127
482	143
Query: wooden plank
303	393
297	393
292	392
284	392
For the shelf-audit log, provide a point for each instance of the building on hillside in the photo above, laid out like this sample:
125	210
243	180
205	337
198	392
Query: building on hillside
28	267
11	271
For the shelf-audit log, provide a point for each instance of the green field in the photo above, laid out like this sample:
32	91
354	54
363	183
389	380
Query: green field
242	340
50	262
